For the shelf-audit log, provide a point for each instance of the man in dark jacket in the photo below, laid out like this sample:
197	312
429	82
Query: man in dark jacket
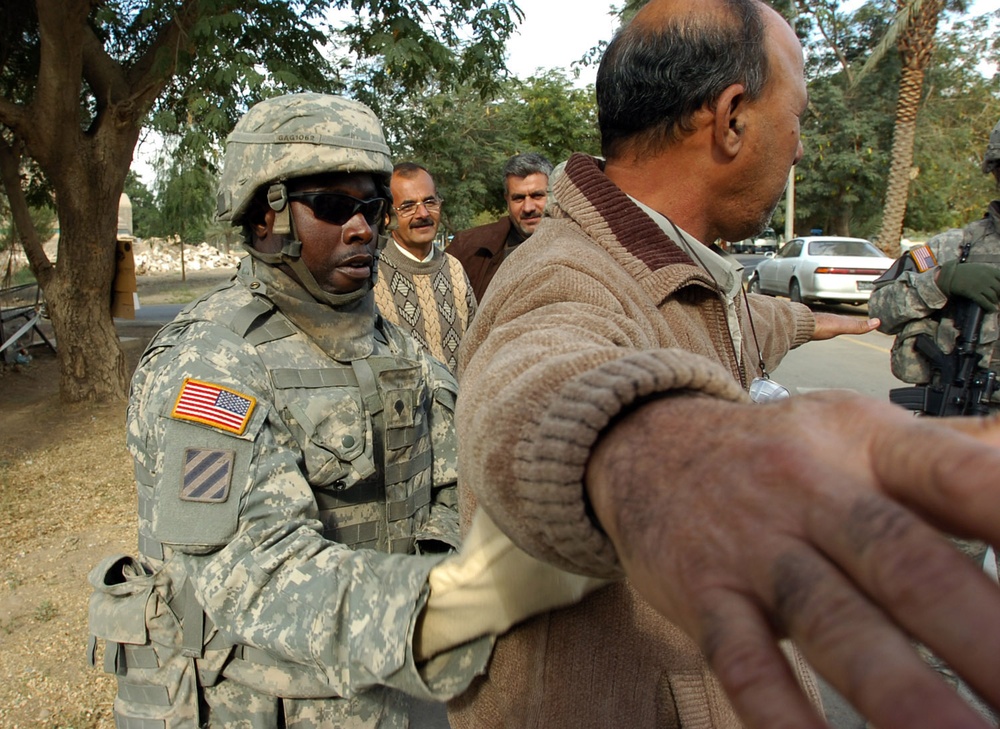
481	250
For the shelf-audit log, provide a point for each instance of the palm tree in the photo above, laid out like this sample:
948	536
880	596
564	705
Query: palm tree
912	33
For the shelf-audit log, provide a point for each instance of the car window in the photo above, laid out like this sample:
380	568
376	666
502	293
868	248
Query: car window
792	250
844	248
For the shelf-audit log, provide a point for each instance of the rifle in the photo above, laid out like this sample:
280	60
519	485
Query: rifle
958	386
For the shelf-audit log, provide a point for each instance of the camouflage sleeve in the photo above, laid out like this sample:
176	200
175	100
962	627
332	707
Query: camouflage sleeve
254	551
911	295
442	526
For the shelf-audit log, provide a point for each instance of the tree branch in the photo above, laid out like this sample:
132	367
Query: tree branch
149	75
10	172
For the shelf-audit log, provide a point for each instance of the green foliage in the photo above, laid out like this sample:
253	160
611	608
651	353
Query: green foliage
465	140
43	219
847	132
961	108
403	46
145	215
185	194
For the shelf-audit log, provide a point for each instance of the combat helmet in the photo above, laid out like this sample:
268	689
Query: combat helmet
291	136
991	160
298	135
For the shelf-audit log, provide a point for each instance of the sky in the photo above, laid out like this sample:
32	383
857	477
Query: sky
550	37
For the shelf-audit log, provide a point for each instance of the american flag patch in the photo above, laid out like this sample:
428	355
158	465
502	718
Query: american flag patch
923	257
207	474
203	402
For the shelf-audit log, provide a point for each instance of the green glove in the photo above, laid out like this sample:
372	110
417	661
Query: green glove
977	281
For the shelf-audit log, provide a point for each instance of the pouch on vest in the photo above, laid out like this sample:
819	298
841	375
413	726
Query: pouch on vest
157	684
334	436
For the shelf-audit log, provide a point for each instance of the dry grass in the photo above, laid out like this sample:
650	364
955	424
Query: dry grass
67	499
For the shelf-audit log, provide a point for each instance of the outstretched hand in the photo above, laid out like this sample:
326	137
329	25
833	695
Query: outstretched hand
829	326
815	525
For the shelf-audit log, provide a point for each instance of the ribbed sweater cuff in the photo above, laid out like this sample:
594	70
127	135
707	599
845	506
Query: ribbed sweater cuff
551	459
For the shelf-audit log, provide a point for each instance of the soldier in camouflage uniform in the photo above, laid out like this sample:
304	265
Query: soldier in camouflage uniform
913	296
295	460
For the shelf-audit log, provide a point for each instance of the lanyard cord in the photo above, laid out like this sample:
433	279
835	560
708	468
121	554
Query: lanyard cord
753	331
718	288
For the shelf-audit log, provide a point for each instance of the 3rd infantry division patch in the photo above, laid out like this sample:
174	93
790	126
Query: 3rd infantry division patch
207	474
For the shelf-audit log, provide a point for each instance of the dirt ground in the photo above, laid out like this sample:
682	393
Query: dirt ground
67	499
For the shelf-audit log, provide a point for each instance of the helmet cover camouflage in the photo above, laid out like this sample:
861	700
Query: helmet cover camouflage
298	135
992	156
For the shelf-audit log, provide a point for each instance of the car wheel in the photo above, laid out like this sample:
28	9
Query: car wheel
795	292
753	285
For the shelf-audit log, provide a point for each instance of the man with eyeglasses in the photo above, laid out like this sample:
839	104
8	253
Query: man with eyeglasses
525	190
421	289
295	463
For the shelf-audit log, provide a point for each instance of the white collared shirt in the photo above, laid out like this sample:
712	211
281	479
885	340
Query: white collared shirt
726	271
409	255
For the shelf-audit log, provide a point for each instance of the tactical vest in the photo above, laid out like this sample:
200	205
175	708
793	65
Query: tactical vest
362	428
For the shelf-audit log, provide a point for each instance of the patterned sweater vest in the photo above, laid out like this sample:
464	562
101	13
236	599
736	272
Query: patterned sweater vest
432	300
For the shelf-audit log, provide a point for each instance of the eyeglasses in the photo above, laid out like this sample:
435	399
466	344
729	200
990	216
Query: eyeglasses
408	209
337	208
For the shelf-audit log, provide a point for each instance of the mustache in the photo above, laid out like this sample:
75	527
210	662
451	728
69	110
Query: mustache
532	215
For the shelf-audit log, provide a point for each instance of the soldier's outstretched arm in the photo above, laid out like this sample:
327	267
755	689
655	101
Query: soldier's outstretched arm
820	524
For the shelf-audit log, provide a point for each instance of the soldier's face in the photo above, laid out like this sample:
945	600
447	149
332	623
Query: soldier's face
339	256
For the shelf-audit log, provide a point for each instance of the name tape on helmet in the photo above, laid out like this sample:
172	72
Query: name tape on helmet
308	138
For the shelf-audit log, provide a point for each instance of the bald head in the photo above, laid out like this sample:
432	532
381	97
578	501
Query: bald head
674	58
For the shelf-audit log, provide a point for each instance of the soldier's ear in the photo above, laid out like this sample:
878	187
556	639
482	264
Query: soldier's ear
265	226
265	239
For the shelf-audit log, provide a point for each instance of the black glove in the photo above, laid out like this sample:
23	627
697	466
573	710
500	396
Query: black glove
979	282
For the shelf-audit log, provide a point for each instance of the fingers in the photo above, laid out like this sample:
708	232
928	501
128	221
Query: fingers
925	586
833	325
740	647
947	471
862	655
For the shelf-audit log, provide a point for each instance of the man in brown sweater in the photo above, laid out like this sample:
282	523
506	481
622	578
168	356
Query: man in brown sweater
525	190
606	423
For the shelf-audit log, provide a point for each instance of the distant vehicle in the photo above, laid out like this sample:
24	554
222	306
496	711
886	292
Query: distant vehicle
824	269
765	242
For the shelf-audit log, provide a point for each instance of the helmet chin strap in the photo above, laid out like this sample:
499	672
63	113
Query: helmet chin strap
291	252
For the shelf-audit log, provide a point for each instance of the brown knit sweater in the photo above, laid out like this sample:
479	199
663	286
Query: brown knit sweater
594	312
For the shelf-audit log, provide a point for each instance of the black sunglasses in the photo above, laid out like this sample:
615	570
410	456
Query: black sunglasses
337	208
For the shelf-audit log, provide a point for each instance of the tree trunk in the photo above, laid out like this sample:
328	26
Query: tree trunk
916	44
898	186
92	365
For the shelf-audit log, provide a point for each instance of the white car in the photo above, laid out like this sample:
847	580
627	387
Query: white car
824	269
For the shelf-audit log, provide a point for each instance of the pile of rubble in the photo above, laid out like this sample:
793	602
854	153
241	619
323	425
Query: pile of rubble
155	255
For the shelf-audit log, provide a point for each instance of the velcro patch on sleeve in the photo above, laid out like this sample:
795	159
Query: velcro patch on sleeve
206	475
215	405
923	258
